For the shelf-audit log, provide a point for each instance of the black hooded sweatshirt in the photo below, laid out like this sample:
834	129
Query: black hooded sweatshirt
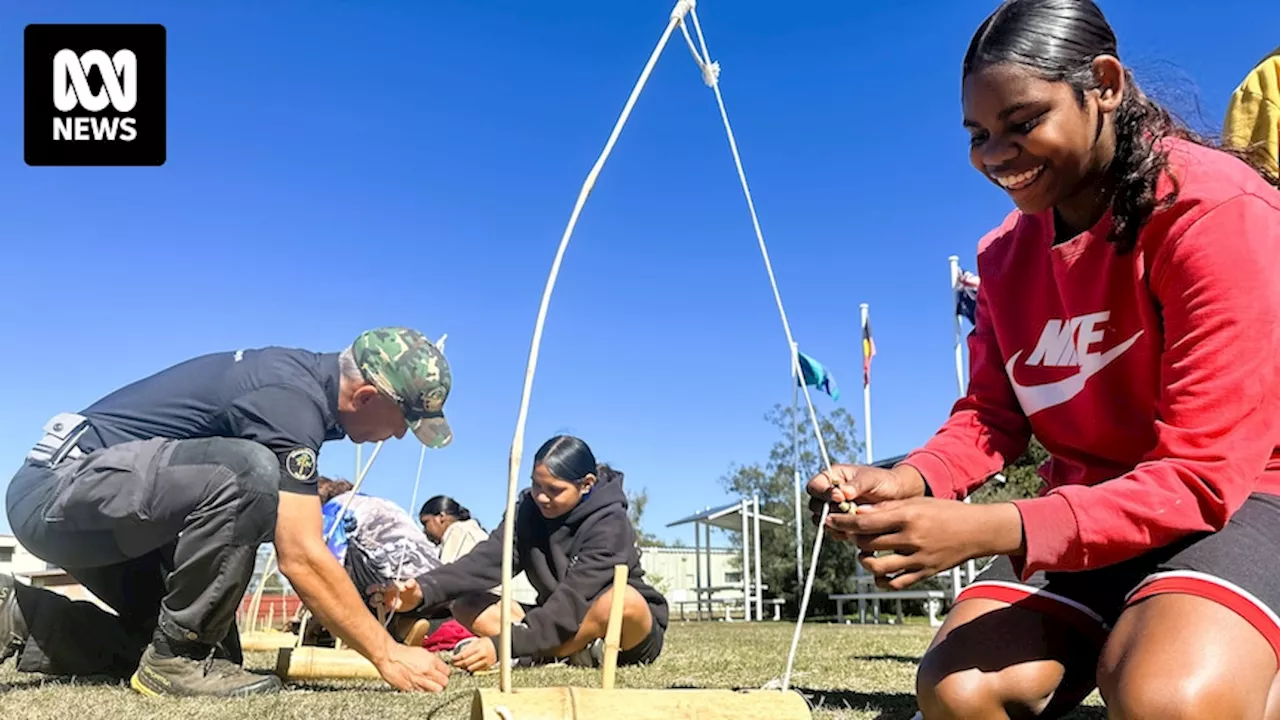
569	560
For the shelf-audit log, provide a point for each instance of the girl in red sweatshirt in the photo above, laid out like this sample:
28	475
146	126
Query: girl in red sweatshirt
1129	318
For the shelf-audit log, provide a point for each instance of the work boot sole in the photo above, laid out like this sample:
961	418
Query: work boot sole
143	684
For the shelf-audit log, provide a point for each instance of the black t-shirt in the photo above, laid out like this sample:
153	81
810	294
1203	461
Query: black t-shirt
283	398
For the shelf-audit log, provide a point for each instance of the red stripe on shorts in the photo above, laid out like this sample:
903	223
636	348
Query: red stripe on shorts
1028	599
1219	593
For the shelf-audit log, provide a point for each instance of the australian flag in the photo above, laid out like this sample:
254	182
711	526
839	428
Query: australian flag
966	291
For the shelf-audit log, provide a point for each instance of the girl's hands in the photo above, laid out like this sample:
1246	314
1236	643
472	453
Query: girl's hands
399	596
926	535
863	485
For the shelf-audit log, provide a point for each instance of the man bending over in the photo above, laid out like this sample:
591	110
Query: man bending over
156	498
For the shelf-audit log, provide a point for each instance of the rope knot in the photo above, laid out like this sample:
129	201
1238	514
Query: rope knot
710	73
682	8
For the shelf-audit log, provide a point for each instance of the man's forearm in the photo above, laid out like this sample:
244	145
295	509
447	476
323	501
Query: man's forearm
327	591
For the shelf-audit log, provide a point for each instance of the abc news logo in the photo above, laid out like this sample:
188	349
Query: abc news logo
71	90
95	95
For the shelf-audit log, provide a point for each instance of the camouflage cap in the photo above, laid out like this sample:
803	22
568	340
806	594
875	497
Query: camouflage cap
407	367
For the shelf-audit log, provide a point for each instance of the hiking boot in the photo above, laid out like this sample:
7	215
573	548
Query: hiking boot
184	676
591	656
13	628
229	649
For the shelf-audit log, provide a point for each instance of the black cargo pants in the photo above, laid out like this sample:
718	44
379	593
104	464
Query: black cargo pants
163	531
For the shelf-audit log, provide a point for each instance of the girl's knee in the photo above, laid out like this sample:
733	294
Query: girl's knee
948	689
634	607
956	694
1129	695
468	608
1132	689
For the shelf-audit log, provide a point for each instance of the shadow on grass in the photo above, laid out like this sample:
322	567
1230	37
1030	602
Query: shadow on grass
908	659
899	706
36	681
889	705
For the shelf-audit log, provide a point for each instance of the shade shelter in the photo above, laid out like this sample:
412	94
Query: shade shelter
743	516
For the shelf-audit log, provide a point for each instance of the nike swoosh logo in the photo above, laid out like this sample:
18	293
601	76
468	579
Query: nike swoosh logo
1035	398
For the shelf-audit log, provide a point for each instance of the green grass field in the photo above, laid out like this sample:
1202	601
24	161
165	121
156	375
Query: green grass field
849	672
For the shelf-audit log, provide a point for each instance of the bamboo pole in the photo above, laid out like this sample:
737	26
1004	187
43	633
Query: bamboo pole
319	663
613	634
267	570
570	703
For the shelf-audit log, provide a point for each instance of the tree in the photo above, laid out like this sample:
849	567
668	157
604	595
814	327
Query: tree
636	503
1022	478
773	482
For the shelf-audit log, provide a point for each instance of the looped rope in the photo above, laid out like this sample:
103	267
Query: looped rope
682	8
710	75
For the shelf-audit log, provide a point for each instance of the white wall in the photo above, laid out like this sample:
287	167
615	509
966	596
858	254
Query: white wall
674	572
16	559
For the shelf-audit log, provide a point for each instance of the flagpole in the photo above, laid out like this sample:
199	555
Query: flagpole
795	458
866	387
955	289
954	260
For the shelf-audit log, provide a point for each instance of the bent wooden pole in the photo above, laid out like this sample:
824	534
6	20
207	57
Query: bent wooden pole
570	703
319	663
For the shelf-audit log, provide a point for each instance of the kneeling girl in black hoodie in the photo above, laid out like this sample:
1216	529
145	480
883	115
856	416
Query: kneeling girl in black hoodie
571	530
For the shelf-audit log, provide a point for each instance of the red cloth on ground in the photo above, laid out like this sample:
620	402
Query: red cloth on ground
446	636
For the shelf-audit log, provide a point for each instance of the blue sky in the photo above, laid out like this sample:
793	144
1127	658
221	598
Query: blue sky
339	166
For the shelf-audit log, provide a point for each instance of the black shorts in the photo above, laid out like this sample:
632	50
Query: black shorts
647	651
1237	567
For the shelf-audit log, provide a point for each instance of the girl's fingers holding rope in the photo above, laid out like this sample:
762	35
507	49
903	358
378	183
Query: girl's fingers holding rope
869	519
829	485
894	572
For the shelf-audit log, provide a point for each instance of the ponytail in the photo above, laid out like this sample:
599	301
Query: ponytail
605	473
445	505
1140	126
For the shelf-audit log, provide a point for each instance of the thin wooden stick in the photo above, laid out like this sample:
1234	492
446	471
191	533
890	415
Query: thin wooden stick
256	602
613	634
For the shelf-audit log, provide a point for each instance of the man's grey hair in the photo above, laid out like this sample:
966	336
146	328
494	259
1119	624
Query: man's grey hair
348	367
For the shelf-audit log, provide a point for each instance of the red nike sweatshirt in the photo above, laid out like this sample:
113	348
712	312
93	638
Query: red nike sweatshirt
1152	379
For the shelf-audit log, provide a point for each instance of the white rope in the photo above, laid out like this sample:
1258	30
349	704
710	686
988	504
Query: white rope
413	503
354	489
396	577
517	442
710	70
711	75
